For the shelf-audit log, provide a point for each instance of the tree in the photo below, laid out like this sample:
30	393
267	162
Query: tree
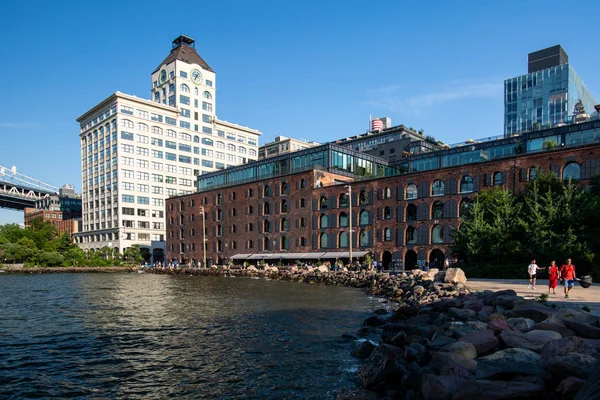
579	108
471	241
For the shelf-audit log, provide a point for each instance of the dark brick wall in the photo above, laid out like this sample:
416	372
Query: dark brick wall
379	210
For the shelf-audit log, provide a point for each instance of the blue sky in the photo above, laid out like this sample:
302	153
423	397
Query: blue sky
307	69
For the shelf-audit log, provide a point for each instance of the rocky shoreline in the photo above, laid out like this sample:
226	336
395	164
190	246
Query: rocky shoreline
55	270
443	342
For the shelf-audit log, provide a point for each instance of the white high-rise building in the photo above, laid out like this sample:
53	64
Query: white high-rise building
135	153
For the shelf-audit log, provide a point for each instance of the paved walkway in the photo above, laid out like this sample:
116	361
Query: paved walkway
578	297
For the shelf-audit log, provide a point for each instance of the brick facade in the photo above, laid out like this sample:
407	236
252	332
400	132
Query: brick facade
301	213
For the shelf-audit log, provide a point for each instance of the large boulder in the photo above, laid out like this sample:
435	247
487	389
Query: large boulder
521	324
483	340
532	310
497	390
509	362
569	356
455	275
251	268
364	349
322	268
440	387
463	348
569	386
557	327
461	313
441	359
521	340
570	314
385	362
583	329
508	301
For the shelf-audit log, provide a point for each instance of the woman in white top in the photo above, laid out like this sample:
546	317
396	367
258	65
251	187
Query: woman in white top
533	269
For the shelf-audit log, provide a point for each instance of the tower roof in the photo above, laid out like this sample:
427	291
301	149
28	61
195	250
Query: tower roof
184	50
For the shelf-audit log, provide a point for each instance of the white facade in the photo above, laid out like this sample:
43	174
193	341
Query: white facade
135	153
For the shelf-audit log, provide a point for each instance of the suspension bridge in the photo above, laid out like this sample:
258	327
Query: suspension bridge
18	191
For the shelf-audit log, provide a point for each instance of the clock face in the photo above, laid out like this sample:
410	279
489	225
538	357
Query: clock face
163	76
196	76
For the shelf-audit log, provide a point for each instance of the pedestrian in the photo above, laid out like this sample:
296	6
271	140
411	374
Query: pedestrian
446	263
553	276
533	269
569	276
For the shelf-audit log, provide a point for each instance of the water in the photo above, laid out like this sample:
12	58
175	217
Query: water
154	336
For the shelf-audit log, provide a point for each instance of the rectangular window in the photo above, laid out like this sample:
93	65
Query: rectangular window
209	83
172	100
142	151
157	166
196	103
185	182
127	198
185	159
184	100
171	180
127	160
143	188
170	145
157	178
156	142
142	163
157	154
127	211
185	147
126	135
185	113
206	118
170	121
128	186
219	165
158	202
127	173
184	124
157	190
142	176
206	129
142	139
156	117
206	152
206	141
126	148
206	106
127	110
170	156
183	74
221	133
207	163
143	200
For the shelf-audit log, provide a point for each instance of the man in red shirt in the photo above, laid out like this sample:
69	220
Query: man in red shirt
567	273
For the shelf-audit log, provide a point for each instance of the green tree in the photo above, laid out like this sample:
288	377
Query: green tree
472	240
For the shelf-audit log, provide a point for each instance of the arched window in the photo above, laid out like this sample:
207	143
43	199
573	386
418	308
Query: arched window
250	244
207	95
436	234
411	235
268	190
533	172
241	150
323	221
196	91
156	130
283	244
343	239
285	225
219	230
302	202
142	127
364	217
302	222
219	245
184	88
343	200
571	171
323	203
437	188
220	215
302	183
387	234
343	219
497	178
387	212
411	212
266	226
284	206
323	241
266	208
465	204
127	123
220	145
437	210
411	191
285	188
302	241
266	244
363	238
466	184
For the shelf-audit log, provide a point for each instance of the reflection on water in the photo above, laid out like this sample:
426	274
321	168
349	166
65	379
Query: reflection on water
154	336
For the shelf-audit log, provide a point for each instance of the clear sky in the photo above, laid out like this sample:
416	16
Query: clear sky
308	69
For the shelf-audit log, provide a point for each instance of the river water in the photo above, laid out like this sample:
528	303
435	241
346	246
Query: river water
155	336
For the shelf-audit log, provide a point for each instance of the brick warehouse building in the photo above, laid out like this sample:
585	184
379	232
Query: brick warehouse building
296	206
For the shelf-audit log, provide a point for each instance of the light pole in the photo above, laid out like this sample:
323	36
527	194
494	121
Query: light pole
203	236
110	249
350	221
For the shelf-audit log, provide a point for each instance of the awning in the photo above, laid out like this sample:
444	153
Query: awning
240	256
344	254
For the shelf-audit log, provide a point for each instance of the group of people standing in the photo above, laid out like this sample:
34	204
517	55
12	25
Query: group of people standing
566	274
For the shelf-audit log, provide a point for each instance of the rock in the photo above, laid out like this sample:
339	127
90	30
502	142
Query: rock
355	394
569	356
463	348
569	314
475	305
380	311
363	350
497	390
385	362
498	325
440	340
251	268
583	329
507	301
483	317
322	268
455	275
483	340
434	387
520	340
558	327
412	380
373	321
364	331
488	309
431	274
569	386
521	324
489	297
532	310
543	336
440	359
457	371
418	290
461	313
509	361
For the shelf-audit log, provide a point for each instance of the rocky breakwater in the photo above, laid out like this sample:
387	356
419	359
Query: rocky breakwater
486	345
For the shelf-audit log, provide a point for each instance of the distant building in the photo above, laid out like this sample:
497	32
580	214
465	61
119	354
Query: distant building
283	145
546	96
136	153
62	210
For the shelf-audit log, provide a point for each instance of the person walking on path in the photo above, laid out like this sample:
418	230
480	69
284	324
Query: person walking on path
533	269
553	276
568	275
